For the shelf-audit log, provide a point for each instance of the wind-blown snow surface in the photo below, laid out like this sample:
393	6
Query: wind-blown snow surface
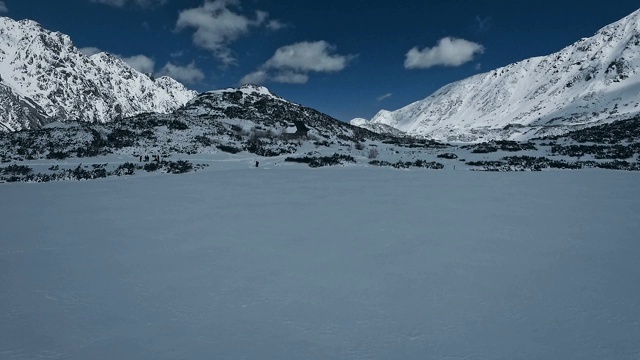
323	264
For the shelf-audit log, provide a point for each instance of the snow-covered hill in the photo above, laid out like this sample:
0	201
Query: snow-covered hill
256	107
45	77
595	80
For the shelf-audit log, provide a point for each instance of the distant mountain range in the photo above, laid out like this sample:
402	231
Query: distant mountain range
45	78
248	119
250	125
594	81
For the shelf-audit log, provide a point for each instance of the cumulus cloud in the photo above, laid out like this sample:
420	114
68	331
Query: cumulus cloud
3	8
90	50
257	77
449	52
189	74
292	63
308	56
142	63
218	23
275	25
121	3
290	77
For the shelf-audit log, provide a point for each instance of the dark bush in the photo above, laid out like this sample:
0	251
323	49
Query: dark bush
314	162
229	149
177	125
408	164
504	145
178	167
152	166
450	156
57	155
120	138
16	170
125	169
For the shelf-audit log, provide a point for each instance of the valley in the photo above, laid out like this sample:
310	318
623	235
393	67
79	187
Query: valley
498	218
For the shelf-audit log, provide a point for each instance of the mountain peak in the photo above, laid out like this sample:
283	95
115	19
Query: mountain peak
5	21
247	89
595	80
255	89
45	70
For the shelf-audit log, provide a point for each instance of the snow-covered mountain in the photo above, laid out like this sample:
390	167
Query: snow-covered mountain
45	78
593	81
18	112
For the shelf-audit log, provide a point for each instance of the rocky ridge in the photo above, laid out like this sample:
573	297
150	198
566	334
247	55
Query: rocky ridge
594	81
45	78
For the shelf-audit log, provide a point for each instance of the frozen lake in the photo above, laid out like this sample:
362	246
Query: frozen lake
295	263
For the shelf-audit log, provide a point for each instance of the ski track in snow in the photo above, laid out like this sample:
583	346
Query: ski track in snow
323	264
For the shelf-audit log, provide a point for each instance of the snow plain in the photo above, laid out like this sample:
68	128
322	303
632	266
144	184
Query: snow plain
336	263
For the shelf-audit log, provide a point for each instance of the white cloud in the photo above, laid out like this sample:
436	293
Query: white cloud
90	50
217	24
308	56
257	77
177	54
121	3
3	8
275	25
189	74
290	77
142	63
292	63
384	97
449	52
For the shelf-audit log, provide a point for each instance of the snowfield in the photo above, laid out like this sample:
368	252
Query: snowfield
332	263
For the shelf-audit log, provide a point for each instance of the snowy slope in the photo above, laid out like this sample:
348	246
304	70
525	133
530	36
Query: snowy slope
18	112
594	80
259	107
263	263
48	70
377	127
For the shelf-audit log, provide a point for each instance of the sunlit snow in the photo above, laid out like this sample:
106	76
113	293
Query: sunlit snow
296	263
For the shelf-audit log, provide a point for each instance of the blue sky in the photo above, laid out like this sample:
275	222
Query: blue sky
347	58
